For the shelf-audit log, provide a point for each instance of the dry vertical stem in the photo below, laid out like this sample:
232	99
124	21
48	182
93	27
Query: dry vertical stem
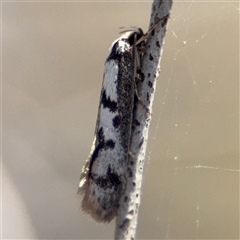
126	222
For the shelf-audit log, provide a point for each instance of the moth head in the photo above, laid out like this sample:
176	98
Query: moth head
129	37
133	34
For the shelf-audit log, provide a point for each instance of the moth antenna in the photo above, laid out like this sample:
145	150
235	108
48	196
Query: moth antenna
143	38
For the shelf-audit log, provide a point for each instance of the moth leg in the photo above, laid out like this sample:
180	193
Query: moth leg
137	53
132	155
140	101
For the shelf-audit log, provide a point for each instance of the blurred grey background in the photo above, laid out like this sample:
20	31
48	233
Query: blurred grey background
53	56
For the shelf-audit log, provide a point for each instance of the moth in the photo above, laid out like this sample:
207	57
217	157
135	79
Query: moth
103	177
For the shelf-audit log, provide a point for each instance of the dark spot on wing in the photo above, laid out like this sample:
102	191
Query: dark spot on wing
108	103
116	121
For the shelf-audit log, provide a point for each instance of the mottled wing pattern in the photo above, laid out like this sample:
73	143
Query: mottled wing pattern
103	178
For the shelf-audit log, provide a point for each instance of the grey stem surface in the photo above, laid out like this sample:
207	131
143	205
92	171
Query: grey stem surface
126	222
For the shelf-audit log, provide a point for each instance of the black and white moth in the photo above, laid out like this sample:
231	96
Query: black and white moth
103	177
